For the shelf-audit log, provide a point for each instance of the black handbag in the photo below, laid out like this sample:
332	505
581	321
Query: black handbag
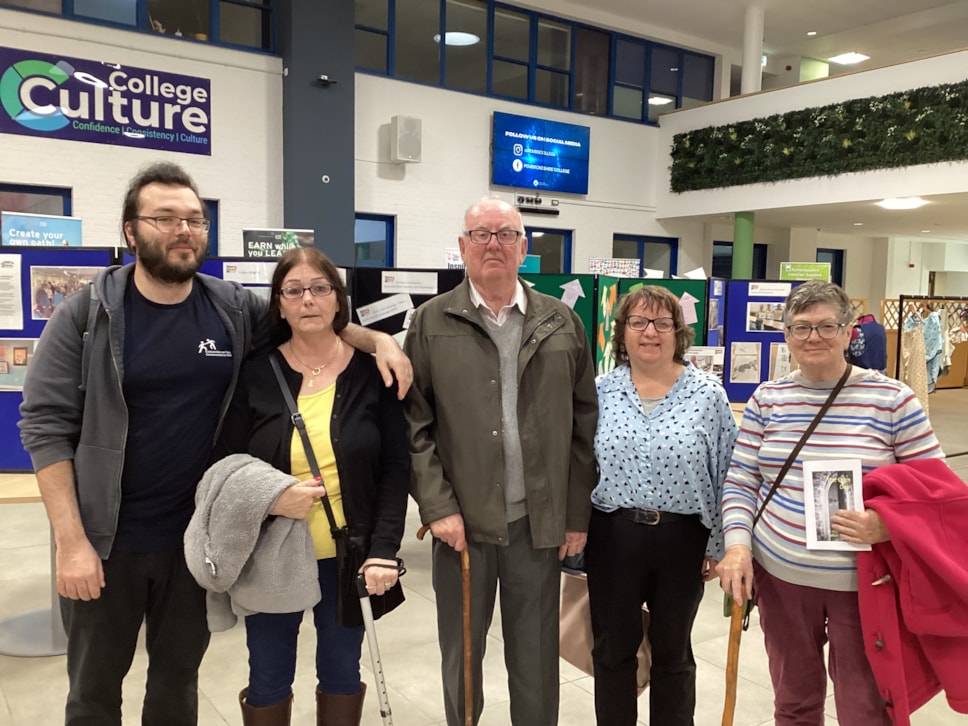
351	551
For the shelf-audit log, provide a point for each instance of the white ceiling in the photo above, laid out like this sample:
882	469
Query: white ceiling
889	31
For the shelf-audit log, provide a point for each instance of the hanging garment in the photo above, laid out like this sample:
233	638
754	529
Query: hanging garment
914	372
868	345
932	348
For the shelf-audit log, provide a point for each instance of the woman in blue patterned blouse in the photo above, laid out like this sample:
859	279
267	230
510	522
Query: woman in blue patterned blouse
664	440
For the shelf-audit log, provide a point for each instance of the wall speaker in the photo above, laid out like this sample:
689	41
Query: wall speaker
405	139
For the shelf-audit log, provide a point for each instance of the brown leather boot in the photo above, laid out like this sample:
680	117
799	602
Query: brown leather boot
277	715
334	710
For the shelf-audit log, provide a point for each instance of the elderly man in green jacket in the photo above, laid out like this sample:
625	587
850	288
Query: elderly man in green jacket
502	414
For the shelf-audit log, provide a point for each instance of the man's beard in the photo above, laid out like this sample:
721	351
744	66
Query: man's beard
153	258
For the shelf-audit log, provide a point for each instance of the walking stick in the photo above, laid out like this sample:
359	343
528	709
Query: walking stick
465	581
732	661
370	627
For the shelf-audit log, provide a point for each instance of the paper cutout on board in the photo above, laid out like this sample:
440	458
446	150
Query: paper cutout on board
688	304
572	291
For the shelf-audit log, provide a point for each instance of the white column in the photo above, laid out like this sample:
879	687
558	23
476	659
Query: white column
752	50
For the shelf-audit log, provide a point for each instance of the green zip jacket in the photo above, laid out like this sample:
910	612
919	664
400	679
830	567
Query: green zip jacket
454	417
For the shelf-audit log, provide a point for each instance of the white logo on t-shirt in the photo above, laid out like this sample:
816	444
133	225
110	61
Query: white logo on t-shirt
210	350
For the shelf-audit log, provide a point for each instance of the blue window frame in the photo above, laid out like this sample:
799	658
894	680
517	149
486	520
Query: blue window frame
653	253
244	24
373	235
213	240
528	56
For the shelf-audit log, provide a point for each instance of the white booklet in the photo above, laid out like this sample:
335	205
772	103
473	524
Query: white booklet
830	485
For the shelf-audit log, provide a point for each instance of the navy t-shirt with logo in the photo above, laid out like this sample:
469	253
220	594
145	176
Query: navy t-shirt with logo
177	366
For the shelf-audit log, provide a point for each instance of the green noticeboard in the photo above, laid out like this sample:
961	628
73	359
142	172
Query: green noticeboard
692	299
576	291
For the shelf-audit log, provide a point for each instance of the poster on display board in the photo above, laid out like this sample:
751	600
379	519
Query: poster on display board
708	358
273	243
804	271
19	229
50	286
15	356
75	99
11	293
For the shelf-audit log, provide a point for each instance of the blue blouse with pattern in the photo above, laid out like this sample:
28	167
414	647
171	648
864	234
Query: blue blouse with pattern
673	459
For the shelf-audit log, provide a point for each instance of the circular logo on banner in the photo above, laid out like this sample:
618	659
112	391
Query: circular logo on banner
17	85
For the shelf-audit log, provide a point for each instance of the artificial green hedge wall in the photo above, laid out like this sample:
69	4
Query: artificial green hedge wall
922	126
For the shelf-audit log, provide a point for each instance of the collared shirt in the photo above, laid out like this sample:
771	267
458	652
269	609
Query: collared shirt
519	301
673	458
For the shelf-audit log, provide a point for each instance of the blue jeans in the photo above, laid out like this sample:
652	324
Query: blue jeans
271	638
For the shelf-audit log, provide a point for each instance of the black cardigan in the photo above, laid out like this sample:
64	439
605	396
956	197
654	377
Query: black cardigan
368	434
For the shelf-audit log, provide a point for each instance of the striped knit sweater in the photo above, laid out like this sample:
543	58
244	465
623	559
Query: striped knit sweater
874	418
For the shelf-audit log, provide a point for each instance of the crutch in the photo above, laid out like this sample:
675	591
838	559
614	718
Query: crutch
465	581
370	627
736	616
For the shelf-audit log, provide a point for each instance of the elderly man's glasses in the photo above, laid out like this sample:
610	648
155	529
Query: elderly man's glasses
661	325
196	225
295	292
802	331
483	236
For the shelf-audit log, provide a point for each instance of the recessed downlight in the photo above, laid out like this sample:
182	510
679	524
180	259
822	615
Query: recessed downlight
849	59
858	224
659	100
458	38
811	33
902	203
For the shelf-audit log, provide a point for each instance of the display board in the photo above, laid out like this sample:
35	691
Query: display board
385	298
692	299
576	291
33	281
756	349
606	301
715	311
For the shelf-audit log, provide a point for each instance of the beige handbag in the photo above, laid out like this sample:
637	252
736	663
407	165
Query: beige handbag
575	631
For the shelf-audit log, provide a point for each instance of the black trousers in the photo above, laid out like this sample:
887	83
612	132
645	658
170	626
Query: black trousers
629	564
158	590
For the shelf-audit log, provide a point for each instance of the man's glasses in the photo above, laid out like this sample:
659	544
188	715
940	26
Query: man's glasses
196	225
661	325
321	289
483	236
802	331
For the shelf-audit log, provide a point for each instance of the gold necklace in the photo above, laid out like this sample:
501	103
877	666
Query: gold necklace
316	370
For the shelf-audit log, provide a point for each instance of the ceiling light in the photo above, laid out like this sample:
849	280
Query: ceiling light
858	224
537	234
849	59
458	38
674	70
925	231
659	100
902	203
811	33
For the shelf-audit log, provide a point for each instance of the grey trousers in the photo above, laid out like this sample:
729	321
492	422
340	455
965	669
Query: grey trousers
529	581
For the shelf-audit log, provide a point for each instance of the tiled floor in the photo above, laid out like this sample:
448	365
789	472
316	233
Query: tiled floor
32	690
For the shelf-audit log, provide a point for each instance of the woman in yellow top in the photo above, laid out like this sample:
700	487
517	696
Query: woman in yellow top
357	432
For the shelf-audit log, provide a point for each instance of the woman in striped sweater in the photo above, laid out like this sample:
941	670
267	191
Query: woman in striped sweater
807	598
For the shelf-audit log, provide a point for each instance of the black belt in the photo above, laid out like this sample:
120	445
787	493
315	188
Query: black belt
652	516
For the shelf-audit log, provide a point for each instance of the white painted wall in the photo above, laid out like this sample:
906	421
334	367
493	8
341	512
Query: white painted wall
244	171
429	198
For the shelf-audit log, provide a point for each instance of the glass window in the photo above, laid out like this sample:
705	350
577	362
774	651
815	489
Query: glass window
512	33
654	253
373	235
43	6
187	18
113	11
836	260
697	79
372	14
244	25
509	79
630	63
723	260
554	45
551	88
466	66
416	53
665	71
627	102
554	248
35	200
591	71
371	51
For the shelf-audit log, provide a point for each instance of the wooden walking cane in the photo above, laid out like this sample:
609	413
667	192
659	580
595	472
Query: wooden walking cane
465	581
732	660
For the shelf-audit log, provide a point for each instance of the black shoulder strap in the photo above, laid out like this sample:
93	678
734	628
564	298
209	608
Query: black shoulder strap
86	332
803	439
300	425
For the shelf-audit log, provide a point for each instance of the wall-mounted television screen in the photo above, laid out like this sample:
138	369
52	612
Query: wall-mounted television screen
531	153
